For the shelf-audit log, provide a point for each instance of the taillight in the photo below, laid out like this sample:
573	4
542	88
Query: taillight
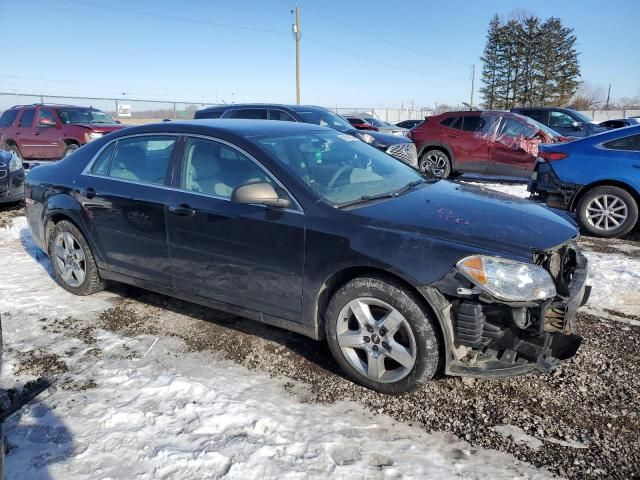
552	156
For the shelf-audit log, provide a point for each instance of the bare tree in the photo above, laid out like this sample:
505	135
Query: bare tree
587	97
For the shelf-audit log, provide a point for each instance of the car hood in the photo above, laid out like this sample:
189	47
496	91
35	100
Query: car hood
102	127
474	216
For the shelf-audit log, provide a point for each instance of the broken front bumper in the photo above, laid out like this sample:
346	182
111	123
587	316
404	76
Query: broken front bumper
487	337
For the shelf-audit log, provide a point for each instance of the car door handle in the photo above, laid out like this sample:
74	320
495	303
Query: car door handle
636	165
452	135
36	133
89	192
182	210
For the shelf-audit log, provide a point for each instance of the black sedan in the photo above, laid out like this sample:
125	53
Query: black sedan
11	177
308	229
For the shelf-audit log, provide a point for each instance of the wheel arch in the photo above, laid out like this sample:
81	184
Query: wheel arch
340	278
575	201
71	141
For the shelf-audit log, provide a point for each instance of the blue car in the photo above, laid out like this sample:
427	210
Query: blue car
597	177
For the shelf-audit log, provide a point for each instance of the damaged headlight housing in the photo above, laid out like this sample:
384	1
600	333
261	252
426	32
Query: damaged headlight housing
507	279
15	163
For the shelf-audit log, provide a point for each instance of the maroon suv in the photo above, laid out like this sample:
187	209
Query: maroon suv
485	142
50	132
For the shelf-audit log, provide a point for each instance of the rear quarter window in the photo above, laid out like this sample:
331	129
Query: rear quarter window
8	117
630	143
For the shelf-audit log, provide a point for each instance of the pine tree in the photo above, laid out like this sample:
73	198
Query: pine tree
490	63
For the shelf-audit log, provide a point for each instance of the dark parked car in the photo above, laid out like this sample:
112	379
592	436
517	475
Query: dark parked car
398	147
308	229
619	123
484	142
409	124
11	177
597	177
50	132
565	121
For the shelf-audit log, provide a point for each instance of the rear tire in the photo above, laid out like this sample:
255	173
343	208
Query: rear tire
381	336
436	163
73	263
69	149
607	212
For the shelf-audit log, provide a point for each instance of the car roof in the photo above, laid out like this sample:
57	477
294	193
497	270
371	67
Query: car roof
50	105
241	127
232	106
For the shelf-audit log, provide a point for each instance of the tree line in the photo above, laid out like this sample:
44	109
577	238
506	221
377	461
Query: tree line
528	61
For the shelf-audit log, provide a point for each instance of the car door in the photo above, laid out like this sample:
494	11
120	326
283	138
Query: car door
470	154
513	152
124	192
47	135
244	255
628	150
24	134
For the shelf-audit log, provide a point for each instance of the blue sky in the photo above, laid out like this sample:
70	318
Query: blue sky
354	54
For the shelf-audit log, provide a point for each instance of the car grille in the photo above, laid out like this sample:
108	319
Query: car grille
405	152
561	264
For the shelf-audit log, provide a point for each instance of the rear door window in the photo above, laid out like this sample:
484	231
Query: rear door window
538	115
214	114
8	118
27	118
249	114
143	159
452	122
102	163
280	115
630	143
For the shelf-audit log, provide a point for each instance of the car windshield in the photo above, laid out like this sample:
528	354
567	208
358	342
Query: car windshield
549	131
375	122
72	116
583	118
320	116
338	167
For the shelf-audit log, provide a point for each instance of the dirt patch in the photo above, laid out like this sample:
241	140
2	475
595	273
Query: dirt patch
629	247
9	212
40	363
590	401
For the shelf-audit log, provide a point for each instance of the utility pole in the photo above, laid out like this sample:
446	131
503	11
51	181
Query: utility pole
608	95
295	28
473	81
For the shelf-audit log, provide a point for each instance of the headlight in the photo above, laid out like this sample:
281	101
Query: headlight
365	137
93	136
15	163
507	279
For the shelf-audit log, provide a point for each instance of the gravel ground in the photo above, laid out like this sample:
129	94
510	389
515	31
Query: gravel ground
581	421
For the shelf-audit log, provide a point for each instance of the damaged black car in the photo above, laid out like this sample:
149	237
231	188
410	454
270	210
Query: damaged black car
308	229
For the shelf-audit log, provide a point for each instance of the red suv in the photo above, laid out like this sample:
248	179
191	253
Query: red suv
488	142
50	132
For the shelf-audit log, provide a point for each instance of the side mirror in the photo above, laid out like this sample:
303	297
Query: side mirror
261	193
577	125
46	122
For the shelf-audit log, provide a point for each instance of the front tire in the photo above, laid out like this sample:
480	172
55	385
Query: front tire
381	336
73	263
607	212
436	163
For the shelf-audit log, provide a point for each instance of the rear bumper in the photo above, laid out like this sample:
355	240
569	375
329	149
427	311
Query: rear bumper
545	186
488	338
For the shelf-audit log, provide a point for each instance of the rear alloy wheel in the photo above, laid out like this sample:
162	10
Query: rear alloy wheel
72	260
608	212
435	163
381	336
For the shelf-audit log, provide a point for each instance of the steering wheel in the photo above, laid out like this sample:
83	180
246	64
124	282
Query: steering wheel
338	174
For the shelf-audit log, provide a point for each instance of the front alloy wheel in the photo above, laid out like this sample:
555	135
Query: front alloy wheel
376	340
382	335
69	258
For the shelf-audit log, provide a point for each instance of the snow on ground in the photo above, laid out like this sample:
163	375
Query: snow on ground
144	408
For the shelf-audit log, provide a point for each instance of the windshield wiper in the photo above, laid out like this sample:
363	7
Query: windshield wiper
369	198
